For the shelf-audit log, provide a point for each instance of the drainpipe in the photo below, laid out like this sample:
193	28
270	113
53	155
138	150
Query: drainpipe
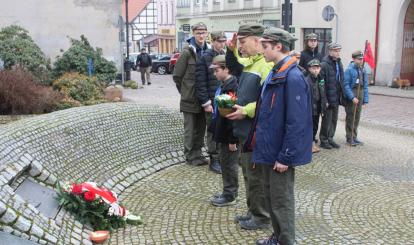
377	38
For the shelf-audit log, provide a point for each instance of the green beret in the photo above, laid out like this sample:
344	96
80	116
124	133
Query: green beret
218	61
250	30
357	54
273	34
311	36
199	26
314	62
218	35
334	46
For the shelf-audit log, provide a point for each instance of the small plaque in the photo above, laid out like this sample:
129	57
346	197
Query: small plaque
186	27
41	197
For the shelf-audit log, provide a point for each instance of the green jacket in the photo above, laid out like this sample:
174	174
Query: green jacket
185	80
252	71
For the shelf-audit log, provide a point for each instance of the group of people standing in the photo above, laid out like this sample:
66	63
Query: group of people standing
269	132
333	87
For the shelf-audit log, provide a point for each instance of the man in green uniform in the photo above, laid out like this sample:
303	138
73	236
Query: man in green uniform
185	80
356	92
252	70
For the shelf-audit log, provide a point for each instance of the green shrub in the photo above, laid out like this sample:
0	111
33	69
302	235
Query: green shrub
130	83
84	89
17	48
134	85
75	59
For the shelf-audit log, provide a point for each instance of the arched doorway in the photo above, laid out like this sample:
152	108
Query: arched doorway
407	59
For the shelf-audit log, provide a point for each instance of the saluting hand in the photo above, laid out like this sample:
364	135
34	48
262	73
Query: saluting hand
231	44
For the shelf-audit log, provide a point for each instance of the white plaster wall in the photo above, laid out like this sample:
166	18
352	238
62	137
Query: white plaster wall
357	23
50	22
390	39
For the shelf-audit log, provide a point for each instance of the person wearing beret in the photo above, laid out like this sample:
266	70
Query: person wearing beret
319	101
356	92
281	134
310	51
185	81
206	86
251	70
333	73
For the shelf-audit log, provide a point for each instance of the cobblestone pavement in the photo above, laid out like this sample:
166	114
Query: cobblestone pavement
358	195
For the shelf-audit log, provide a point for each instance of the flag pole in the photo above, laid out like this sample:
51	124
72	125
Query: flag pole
358	89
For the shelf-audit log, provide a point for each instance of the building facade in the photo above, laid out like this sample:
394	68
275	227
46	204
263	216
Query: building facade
51	22
152	25
387	24
224	15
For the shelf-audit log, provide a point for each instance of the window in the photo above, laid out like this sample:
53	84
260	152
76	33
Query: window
197	2
271	23
216	1
324	38
183	3
161	14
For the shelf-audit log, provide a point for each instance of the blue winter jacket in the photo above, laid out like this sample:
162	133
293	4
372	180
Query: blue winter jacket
350	78
282	130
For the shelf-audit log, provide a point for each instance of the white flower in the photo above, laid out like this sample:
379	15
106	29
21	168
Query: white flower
111	211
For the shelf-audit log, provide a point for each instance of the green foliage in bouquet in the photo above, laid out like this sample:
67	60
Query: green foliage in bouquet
226	100
88	211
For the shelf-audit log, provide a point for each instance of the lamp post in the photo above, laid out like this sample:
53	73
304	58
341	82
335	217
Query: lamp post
287	10
127	27
127	65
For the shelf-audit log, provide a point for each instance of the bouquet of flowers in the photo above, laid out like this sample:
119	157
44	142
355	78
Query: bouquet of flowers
225	103
95	205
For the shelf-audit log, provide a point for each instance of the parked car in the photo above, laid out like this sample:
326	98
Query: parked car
161	65
173	61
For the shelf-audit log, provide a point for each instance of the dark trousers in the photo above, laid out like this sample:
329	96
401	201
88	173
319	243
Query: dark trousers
351	126
212	146
253	181
279	191
194	130
229	161
328	126
145	72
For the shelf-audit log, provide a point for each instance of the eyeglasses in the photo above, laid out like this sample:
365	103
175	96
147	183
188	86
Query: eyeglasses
200	33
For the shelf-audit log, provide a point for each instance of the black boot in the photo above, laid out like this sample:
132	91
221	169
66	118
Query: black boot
215	166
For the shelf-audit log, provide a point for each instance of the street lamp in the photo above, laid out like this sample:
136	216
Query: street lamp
287	13
127	27
127	63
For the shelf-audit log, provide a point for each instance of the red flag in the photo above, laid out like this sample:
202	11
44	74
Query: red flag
368	55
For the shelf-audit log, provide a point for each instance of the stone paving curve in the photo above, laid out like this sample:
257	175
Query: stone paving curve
359	195
354	195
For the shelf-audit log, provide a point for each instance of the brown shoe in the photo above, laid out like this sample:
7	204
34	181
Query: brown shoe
315	148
